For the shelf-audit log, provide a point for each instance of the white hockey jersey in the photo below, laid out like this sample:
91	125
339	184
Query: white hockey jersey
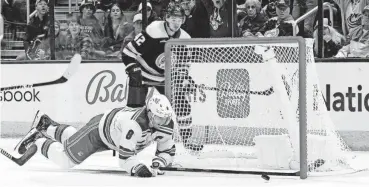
127	131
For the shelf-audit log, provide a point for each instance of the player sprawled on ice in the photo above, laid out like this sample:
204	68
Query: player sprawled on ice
144	60
125	130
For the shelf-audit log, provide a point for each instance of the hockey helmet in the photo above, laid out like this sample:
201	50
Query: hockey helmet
175	9
160	109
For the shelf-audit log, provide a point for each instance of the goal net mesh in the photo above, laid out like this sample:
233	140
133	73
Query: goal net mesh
225	96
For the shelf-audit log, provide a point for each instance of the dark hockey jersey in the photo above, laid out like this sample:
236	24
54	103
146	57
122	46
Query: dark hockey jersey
147	49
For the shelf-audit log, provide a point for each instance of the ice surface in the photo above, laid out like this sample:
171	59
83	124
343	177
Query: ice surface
102	170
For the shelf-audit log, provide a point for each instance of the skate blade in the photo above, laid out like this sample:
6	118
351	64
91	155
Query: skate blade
37	119
30	133
35	122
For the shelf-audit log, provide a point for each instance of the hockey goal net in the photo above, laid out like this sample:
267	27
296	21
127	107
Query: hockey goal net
251	105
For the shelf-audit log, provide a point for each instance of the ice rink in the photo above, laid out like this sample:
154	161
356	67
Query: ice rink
102	170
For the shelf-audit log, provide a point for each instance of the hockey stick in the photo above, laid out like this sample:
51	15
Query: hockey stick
24	158
72	68
230	171
264	174
263	92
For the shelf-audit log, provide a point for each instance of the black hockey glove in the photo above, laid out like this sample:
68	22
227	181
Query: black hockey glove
141	170
135	75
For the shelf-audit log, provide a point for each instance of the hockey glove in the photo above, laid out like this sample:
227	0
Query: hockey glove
141	170
155	166
134	73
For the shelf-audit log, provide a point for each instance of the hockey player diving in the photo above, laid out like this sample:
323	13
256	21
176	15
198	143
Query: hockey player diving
144	60
126	130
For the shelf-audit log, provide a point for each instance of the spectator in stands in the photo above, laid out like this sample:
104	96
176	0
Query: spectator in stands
75	42
38	26
280	25
218	17
64	27
158	6
43	51
270	9
188	6
10	12
89	51
197	20
309	21
189	25
359	39
151	15
254	20
89	23
71	42
333	40
101	16
137	24
116	29
351	12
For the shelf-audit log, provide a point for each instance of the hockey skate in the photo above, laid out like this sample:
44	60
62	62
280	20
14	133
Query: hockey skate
40	123
28	141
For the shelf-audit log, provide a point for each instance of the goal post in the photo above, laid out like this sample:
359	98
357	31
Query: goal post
249	105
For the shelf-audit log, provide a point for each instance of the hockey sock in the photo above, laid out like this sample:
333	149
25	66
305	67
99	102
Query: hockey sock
44	144
54	151
61	132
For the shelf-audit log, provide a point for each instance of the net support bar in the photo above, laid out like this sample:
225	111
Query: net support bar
303	110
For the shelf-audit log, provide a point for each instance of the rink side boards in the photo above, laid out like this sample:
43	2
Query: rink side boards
98	86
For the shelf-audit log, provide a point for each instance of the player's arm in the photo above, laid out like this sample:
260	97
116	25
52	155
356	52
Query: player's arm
131	54
131	132
166	149
127	144
135	49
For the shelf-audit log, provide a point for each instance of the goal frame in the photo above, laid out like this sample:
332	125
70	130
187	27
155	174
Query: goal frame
303	172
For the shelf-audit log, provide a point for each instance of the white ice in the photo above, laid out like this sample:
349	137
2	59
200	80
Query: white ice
102	170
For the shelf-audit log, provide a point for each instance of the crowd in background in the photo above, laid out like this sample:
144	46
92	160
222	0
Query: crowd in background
101	29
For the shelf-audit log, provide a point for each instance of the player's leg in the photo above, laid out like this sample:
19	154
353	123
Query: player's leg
77	147
71	151
50	128
184	119
182	107
48	147
136	90
138	93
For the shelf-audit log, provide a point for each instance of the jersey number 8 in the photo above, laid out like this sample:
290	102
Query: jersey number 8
139	39
129	134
